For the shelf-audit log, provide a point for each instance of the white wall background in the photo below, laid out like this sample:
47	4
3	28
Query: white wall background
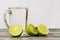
40	11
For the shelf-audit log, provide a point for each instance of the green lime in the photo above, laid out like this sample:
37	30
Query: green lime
31	30
42	29
15	30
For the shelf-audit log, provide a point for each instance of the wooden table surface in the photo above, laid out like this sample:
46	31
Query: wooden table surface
54	34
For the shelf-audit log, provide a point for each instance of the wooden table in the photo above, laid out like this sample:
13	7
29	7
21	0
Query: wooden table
53	35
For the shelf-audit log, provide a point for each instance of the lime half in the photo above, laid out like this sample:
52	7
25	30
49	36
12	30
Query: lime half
42	29
31	30
15	30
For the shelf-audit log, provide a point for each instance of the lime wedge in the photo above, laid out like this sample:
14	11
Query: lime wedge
31	30
15	30
42	29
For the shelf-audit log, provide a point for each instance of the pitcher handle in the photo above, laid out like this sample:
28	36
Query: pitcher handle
5	20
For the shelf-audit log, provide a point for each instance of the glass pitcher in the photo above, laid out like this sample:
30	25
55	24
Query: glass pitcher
16	15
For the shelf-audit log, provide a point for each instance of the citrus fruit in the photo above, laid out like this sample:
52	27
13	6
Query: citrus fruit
15	30
31	30
42	29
